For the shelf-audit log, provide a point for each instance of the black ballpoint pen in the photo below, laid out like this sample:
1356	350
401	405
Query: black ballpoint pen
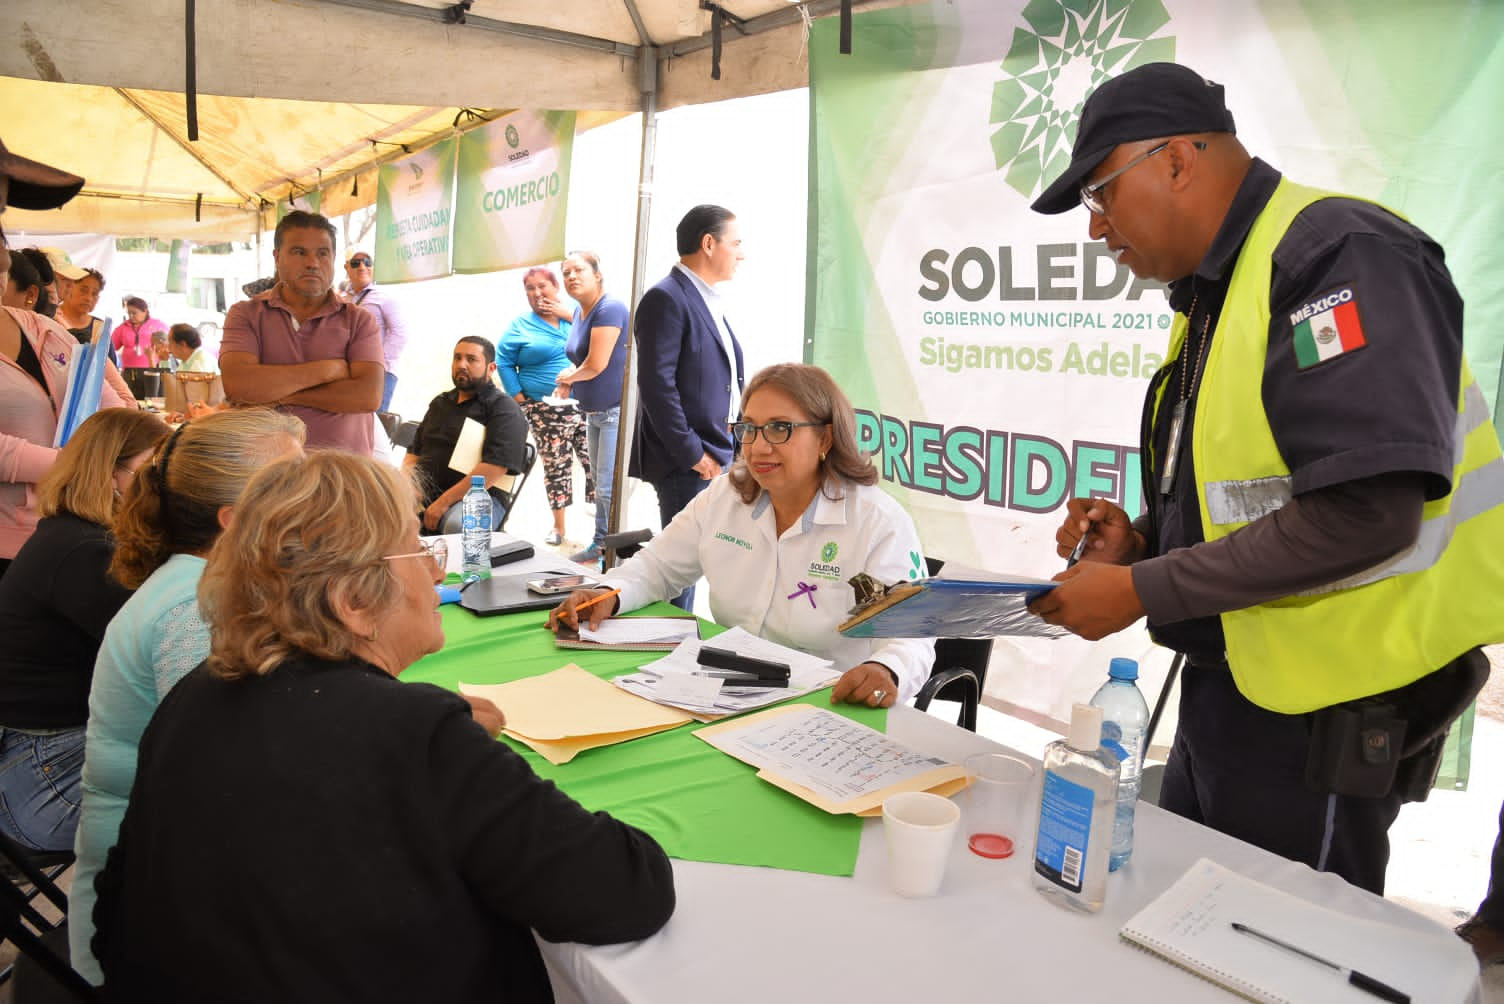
1383	991
1079	550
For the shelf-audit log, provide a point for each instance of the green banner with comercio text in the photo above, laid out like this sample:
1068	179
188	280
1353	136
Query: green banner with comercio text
513	191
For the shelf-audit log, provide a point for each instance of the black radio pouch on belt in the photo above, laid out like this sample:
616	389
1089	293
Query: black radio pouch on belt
1355	748
1392	741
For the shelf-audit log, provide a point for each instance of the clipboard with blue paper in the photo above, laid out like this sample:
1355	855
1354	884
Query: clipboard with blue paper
85	385
967	604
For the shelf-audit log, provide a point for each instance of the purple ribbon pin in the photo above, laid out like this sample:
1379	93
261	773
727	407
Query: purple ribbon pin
805	589
62	360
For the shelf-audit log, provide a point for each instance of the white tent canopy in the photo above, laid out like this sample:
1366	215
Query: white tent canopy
291	95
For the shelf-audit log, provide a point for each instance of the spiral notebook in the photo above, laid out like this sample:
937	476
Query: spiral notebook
1190	924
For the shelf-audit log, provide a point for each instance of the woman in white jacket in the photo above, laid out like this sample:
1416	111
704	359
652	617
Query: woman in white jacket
778	537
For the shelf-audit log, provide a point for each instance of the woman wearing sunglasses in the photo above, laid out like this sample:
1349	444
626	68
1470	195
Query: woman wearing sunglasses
777	539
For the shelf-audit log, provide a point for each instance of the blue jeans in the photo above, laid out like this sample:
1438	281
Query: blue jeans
600	439
453	520
40	782
386	392
676	491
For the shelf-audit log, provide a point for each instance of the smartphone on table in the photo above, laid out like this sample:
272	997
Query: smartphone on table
561	584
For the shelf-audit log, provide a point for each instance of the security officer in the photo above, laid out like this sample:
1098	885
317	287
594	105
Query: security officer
1325	489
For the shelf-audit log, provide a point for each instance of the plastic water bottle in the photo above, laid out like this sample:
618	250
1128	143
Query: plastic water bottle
1075	815
475	531
1125	719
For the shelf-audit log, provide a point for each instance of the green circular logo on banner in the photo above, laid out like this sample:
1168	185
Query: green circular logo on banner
1066	50
512	138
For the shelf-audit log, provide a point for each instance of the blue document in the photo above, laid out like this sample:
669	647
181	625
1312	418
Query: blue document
85	384
954	608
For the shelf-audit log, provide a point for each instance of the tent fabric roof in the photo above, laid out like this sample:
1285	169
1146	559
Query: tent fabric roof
144	177
292	92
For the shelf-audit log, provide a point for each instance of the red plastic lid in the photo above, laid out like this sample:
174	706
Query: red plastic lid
991	845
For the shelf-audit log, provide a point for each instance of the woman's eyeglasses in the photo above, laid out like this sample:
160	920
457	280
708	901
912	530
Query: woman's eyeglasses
360	263
773	433
436	551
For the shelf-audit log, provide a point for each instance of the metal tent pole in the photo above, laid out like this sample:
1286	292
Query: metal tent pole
647	79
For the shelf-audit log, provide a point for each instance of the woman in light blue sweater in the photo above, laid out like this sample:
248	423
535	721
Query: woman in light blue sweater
181	503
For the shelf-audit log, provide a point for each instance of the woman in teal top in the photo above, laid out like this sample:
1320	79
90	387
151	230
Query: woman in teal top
528	358
180	503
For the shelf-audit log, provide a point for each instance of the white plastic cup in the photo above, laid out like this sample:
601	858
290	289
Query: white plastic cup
997	803
920	828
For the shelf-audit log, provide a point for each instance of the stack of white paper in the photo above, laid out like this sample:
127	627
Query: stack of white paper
678	680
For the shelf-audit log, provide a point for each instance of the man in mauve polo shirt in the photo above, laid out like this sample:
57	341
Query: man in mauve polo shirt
301	348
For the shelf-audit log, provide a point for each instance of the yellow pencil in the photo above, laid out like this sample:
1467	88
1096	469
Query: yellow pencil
593	601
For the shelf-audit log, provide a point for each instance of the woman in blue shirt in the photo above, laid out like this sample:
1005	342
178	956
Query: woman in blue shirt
529	358
598	350
178	506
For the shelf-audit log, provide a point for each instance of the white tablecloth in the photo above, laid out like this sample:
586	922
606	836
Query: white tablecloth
760	936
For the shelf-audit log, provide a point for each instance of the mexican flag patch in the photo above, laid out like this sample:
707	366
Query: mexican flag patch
1327	327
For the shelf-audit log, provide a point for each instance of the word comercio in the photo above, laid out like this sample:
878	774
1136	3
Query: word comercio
522	194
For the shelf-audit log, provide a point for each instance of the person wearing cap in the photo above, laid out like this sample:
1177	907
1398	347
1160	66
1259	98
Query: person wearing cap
75	314
300	347
1322	506
34	356
64	273
75	310
365	293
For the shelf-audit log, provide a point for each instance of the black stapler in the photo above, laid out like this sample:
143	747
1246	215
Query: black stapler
744	670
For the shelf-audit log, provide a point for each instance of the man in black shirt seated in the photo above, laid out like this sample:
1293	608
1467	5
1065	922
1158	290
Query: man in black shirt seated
473	429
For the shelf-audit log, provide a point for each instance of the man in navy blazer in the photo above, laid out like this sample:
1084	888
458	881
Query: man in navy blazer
690	373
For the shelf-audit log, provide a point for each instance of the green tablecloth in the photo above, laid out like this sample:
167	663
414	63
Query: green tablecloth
700	804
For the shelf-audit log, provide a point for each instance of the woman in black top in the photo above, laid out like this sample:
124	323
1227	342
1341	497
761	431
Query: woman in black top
304	827
55	602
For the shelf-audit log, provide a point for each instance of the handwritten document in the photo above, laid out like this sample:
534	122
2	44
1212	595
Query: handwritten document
640	630
829	753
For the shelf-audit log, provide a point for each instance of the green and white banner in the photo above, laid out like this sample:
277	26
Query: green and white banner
998	358
513	191
415	215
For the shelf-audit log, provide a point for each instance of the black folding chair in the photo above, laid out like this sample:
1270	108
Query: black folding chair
40	940
506	489
403	437
390	423
621	546
959	672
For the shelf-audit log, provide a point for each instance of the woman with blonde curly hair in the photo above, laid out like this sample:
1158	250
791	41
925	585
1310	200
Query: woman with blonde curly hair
177	509
778	537
294	802
54	604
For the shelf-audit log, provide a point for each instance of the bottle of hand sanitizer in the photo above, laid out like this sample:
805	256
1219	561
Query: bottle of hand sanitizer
1076	815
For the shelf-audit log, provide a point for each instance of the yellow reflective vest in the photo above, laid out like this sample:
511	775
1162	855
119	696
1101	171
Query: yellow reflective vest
1381	628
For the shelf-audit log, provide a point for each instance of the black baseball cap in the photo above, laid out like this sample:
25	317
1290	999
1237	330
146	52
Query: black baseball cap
1147	102
30	184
